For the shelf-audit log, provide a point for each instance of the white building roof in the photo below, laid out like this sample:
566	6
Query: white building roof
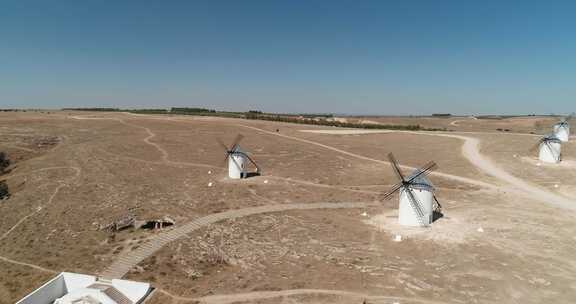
73	288
85	296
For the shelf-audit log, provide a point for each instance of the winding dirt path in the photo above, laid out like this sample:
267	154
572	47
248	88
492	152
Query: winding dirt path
39	208
471	151
128	260
7	260
362	157
262	295
165	156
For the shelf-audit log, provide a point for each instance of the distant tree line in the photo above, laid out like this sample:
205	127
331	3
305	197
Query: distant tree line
149	111
191	110
334	123
309	119
12	110
93	109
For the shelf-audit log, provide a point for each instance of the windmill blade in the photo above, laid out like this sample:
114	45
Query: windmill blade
424	170
416	206
549	146
236	141
223	145
537	145
252	161
395	166
388	195
414	202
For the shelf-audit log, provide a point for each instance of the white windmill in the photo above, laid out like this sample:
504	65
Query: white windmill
238	159
417	203
549	149
562	129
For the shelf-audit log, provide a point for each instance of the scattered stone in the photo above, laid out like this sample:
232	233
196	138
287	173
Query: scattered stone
364	213
556	186
266	181
210	184
397	238
209	172
480	229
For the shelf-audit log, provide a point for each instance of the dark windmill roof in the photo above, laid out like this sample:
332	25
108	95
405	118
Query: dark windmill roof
421	182
236	150
550	138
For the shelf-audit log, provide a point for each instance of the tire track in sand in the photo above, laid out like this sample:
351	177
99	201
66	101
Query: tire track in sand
470	151
362	157
263	295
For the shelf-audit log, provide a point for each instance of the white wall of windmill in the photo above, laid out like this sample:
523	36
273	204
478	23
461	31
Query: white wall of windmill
407	216
550	152
562	132
236	166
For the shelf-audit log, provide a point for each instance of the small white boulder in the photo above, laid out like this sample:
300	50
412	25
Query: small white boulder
210	184
397	238
480	229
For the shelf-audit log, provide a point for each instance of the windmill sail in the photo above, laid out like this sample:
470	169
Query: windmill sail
416	181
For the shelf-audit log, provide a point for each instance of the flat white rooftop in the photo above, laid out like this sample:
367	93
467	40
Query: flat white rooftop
73	288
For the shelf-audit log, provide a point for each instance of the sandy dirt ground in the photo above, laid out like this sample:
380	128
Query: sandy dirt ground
527	124
506	235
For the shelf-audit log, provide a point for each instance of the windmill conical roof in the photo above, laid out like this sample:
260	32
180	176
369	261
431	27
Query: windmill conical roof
236	149
550	138
421	182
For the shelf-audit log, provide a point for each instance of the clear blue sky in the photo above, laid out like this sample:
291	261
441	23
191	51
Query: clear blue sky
377	57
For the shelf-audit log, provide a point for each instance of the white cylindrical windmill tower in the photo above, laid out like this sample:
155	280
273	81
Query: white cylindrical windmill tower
549	149
236	163
416	195
562	131
562	128
238	160
423	195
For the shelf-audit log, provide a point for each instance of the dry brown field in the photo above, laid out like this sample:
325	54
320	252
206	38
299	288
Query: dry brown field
521	124
311	229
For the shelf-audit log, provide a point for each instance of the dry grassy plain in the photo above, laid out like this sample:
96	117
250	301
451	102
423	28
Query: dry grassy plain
75	171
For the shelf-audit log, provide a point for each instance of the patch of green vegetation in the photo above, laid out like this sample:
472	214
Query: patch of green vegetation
308	119
93	109
149	111
335	123
191	110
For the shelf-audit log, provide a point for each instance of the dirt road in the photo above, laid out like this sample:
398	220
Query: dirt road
262	295
471	151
